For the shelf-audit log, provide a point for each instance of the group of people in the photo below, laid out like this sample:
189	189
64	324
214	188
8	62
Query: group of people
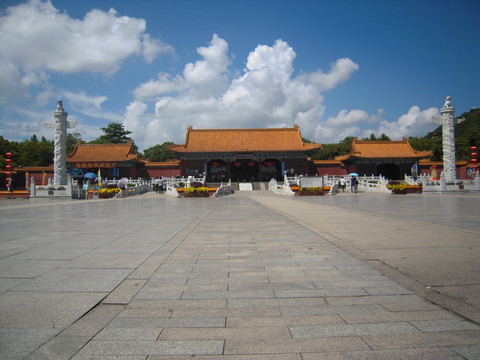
83	188
342	184
159	186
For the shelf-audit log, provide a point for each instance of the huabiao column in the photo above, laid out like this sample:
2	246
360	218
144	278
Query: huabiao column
60	126
448	122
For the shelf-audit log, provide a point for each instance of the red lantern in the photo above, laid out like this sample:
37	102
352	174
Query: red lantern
237	163
8	167
8	154
473	148
7	179
215	164
8	161
251	163
474	160
474	155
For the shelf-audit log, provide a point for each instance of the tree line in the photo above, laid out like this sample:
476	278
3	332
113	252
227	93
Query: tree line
39	152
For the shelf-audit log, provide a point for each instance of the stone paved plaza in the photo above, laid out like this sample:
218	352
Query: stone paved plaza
249	276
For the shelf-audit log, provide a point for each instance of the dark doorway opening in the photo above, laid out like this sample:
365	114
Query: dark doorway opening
271	169
244	170
389	171
217	171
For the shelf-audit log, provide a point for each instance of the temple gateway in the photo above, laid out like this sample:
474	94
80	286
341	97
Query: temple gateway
243	154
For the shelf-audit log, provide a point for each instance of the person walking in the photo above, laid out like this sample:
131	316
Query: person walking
86	187
353	184
342	184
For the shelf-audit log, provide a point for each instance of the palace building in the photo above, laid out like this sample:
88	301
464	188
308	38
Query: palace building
113	160
392	159
248	155
243	154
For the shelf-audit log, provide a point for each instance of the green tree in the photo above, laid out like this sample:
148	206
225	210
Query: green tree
330	151
36	153
72	139
159	152
373	137
467	134
11	147
113	133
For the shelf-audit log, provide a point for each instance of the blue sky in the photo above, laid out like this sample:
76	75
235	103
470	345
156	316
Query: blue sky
336	68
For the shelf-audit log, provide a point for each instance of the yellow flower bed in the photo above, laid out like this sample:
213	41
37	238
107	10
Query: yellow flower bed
400	187
107	193
312	190
191	191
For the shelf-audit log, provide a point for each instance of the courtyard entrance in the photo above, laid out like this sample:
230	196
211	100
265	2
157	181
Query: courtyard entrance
390	171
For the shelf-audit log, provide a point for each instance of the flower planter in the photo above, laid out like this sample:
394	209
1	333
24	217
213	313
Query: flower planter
311	191
108	193
196	192
311	194
196	195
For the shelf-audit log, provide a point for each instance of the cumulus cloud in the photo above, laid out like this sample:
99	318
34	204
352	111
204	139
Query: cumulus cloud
37	39
206	95
359	123
415	122
89	105
346	123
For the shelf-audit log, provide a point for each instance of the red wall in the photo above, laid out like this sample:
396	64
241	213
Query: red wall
331	170
162	172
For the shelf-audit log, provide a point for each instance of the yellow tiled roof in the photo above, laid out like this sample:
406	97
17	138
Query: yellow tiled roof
383	149
243	140
102	152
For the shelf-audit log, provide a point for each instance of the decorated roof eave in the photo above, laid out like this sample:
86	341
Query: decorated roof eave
240	151
353	158
170	163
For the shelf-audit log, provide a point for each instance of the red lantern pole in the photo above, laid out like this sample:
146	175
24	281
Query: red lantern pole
474	160
8	179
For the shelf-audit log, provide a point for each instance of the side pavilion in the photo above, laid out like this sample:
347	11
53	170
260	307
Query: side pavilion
392	159
243	154
113	160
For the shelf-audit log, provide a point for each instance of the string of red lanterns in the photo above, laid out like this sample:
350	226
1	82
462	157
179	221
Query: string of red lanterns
8	160
474	159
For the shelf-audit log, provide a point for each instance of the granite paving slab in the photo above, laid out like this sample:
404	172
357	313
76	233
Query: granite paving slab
250	276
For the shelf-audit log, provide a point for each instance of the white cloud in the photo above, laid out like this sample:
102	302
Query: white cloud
340	72
206	95
37	39
415	123
355	123
153	88
153	47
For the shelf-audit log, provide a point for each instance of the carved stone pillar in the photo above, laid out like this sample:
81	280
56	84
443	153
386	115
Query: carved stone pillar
60	126
448	122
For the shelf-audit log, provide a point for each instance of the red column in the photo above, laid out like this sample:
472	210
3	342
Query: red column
228	168
259	170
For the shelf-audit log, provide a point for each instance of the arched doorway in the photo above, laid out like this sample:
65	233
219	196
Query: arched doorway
217	170
244	170
271	169
389	171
